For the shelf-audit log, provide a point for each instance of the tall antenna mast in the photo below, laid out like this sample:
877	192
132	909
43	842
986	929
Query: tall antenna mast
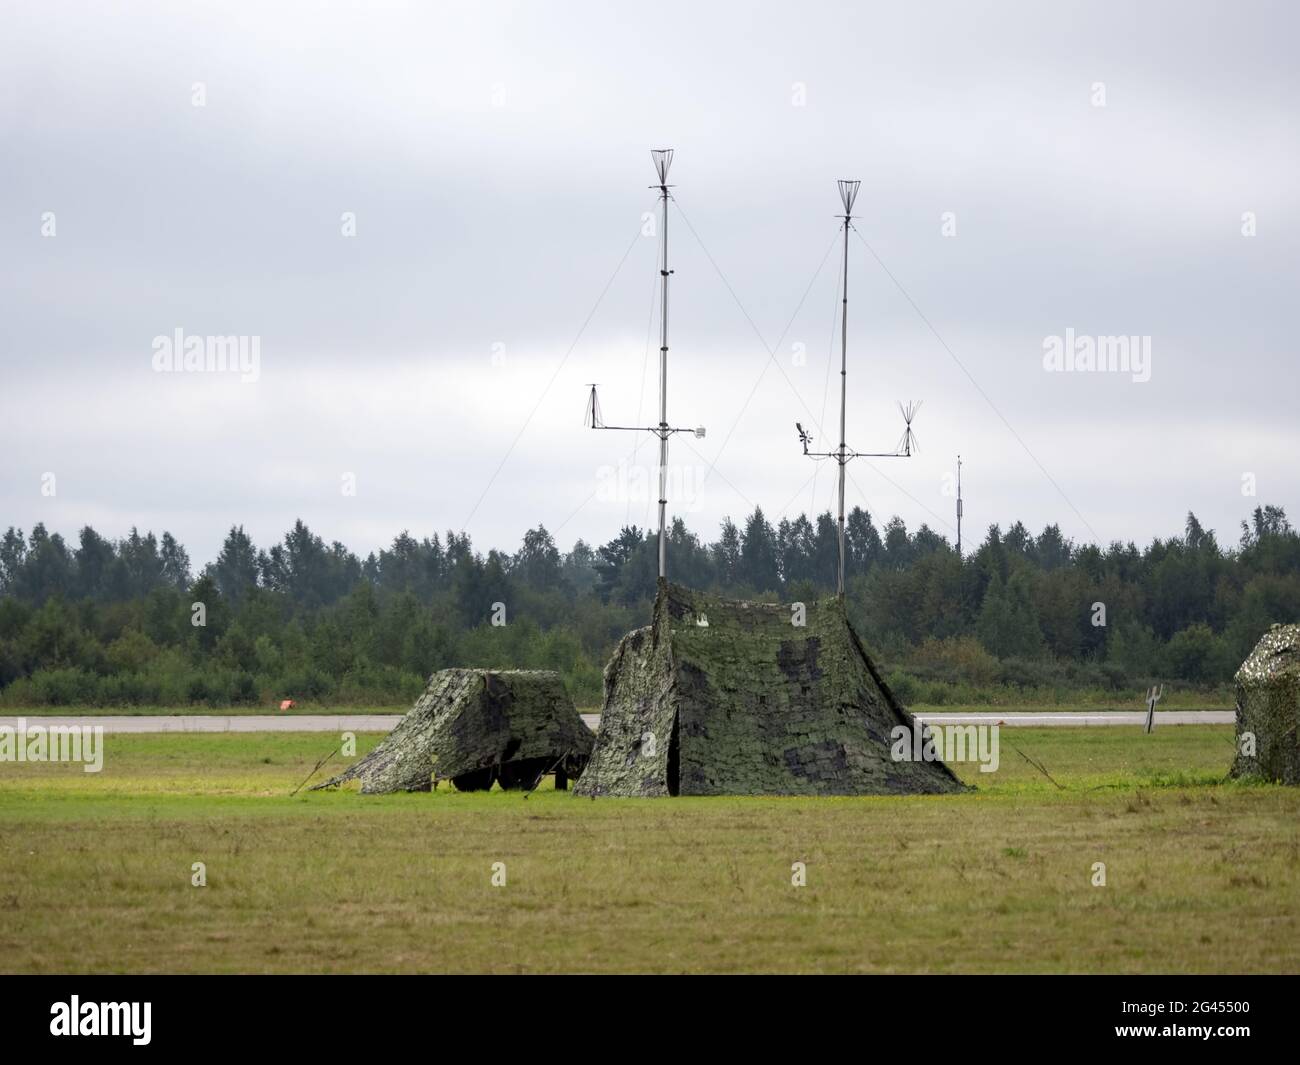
842	454
959	506
663	159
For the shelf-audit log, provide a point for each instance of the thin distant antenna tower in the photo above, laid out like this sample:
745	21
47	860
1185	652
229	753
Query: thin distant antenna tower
959	506
663	159
842	454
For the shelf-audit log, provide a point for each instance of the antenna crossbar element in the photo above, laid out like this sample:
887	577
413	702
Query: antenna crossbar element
843	454
663	160
906	443
593	403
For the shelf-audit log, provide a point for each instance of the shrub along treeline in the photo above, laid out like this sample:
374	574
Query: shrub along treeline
113	623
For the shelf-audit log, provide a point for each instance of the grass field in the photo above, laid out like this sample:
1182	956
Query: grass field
95	869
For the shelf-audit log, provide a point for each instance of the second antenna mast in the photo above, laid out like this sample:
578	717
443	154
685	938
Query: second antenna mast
842	454
663	159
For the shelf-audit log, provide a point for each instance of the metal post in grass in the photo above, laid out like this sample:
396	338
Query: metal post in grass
1153	696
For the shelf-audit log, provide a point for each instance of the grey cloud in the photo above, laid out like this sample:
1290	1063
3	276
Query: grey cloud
480	225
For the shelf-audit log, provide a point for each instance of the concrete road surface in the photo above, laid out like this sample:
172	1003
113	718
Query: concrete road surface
385	722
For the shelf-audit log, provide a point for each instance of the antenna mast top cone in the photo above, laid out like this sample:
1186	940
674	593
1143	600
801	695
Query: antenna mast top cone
849	193
663	159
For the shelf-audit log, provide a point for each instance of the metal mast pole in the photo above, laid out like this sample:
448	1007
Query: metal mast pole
844	376
663	158
843	454
848	193
959	506
663	372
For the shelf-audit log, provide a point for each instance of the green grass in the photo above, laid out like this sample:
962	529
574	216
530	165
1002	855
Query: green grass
1091	701
1202	875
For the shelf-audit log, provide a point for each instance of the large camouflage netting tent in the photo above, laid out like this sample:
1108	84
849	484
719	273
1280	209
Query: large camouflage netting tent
718	697
1268	708
476	726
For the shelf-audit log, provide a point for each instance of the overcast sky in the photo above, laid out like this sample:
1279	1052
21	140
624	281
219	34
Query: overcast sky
176	166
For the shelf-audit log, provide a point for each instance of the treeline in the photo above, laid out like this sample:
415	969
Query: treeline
128	622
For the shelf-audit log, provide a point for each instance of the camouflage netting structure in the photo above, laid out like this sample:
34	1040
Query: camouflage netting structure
719	697
1268	708
474	726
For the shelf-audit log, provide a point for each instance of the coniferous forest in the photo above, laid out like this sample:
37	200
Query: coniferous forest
1022	618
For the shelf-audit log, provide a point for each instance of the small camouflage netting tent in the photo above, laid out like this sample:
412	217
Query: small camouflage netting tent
474	726
725	698
1268	708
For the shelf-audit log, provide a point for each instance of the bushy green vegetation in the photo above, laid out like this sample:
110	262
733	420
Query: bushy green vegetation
111	623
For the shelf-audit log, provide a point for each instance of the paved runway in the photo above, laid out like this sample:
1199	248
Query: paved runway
223	723
1071	719
385	722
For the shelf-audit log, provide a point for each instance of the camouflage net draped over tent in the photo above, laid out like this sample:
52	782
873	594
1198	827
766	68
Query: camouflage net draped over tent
475	726
1268	708
725	698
